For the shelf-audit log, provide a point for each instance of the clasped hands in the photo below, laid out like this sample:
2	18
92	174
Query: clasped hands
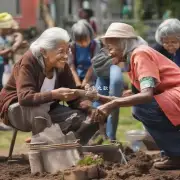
90	93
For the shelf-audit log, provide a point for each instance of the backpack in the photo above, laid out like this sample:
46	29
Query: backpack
101	63
92	49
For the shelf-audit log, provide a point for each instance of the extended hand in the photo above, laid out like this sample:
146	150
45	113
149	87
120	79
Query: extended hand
91	92
97	115
64	94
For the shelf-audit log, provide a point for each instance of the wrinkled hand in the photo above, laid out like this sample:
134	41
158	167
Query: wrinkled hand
64	94
91	92
85	105
96	115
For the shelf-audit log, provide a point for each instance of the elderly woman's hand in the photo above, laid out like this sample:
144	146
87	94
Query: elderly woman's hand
91	92
98	115
64	94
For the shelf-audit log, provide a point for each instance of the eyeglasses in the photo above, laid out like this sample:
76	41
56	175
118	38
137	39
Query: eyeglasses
170	43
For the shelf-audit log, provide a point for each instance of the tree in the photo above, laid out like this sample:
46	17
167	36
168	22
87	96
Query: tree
45	14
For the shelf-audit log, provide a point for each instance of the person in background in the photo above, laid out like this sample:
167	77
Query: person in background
83	48
87	15
168	39
109	83
167	14
158	82
10	41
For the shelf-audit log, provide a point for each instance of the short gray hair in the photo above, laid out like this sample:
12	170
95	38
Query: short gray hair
49	40
167	28
81	30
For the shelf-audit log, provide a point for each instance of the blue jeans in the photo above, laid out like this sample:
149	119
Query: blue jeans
112	86
165	134
1	74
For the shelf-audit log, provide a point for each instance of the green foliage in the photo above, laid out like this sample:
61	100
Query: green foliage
141	28
91	160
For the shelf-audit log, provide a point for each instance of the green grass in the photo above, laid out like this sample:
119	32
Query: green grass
126	123
5	139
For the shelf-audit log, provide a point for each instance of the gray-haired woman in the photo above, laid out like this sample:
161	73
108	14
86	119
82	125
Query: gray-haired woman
42	78
168	39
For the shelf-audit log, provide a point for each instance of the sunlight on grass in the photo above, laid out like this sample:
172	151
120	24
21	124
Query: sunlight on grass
126	123
6	139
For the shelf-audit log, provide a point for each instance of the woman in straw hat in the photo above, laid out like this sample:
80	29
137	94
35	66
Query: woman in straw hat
158	81
9	43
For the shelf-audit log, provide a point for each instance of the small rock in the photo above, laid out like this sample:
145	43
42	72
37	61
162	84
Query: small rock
92	172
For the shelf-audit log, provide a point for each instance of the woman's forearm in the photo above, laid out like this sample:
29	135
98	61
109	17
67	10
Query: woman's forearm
105	99
89	74
17	42
75	75
5	52
140	98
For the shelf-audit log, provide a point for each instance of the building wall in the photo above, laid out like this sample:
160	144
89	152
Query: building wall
8	6
28	15
23	11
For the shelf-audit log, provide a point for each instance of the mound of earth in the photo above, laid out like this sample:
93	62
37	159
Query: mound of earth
140	167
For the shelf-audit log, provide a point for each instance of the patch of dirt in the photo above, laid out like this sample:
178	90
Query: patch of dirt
140	167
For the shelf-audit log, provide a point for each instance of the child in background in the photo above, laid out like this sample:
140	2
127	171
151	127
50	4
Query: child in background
83	48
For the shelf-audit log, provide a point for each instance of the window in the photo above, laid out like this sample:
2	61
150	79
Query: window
70	6
18	6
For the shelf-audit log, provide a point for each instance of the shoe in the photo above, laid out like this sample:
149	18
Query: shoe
3	127
168	163
28	140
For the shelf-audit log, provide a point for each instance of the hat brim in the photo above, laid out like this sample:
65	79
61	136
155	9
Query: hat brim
6	25
113	36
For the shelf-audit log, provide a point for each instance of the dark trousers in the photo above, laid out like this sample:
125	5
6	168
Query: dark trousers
37	118
165	134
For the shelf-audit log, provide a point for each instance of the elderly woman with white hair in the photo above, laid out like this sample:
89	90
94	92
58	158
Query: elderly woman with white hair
42	78
158	82
168	39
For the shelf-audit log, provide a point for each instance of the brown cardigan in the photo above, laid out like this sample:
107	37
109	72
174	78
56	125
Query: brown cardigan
25	83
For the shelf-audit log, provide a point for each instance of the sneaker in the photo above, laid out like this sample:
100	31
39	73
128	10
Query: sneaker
3	127
168	163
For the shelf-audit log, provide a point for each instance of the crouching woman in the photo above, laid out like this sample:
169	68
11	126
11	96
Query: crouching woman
158	82
42	78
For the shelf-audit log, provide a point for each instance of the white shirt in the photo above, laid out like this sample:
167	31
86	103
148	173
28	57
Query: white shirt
48	85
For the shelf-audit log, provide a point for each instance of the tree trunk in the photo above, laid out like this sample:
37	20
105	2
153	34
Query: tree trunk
46	15
137	9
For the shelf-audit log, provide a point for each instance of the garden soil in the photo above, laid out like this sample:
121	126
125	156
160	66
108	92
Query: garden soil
139	168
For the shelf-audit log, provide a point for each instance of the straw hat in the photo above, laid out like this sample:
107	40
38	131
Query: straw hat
6	20
120	30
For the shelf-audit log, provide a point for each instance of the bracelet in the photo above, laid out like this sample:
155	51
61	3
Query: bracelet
95	97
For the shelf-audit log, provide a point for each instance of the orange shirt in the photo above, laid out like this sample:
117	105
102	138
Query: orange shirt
147	62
